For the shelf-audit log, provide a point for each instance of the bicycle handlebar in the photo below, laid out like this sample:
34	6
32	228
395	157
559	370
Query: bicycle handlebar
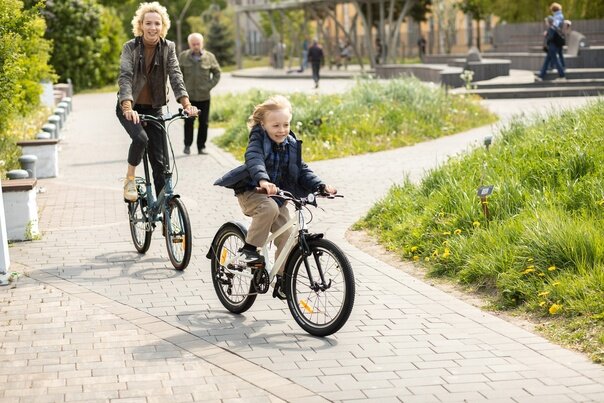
302	201
165	118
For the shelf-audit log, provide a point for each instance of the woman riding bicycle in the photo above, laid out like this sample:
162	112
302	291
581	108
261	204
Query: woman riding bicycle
273	159
147	61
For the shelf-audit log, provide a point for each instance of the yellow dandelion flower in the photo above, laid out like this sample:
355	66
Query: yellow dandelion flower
542	304
543	294
527	271
415	258
551	268
446	253
541	275
457	231
476	224
435	253
530	259
447	233
445	243
556	283
414	249
554	309
530	267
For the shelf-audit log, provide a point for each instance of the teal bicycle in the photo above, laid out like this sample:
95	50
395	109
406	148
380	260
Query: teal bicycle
146	212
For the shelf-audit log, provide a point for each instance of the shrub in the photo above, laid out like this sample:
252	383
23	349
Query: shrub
87	42
24	55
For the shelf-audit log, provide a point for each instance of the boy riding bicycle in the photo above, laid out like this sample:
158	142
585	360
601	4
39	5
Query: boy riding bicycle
273	160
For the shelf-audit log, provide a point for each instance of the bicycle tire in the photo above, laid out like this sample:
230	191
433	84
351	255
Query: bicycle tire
320	313
228	240
178	236
140	229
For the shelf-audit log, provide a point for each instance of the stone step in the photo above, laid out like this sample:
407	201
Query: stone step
535	92
572	74
546	83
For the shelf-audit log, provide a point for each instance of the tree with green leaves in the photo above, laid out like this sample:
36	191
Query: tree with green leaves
478	10
535	10
24	56
87	41
214	24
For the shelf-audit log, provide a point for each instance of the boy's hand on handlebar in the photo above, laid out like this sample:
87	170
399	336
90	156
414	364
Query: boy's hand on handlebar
271	188
328	190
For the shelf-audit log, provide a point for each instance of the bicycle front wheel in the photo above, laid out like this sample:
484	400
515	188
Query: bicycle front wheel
178	233
234	286
320	288
140	227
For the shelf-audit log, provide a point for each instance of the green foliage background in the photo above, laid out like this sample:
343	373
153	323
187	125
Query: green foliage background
373	116
87	39
23	64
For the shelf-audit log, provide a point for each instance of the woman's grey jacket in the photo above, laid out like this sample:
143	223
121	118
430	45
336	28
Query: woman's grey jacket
300	177
133	75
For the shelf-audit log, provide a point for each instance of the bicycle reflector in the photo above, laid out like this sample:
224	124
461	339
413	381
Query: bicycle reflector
306	306
223	256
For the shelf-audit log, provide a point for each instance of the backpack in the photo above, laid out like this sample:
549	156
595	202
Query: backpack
562	33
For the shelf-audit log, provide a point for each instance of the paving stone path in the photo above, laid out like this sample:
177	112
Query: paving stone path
92	320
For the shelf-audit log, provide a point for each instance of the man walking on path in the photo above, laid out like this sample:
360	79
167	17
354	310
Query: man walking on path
201	73
315	57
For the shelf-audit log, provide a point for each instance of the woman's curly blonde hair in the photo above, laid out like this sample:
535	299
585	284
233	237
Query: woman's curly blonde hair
154	7
274	103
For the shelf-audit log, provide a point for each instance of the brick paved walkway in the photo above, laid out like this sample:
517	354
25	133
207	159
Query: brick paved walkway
95	321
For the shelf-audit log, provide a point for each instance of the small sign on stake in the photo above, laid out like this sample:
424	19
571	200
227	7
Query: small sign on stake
483	192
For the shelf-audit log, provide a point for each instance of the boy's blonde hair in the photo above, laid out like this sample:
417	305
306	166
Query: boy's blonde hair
274	103
139	16
555	7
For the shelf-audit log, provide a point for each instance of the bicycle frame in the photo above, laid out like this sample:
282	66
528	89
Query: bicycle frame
296	224
161	203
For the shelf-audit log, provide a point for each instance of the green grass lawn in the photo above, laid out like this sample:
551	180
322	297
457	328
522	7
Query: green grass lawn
541	251
373	116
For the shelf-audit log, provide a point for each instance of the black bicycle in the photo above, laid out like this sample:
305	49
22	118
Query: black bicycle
168	208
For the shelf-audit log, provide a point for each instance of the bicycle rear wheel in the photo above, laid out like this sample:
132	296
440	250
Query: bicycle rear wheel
178	234
321	306
232	285
140	228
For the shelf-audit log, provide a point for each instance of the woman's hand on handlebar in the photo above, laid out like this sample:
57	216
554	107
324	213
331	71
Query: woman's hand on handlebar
132	116
271	188
191	110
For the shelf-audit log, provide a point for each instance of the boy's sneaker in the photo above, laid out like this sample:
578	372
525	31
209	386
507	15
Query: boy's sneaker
130	192
250	257
278	291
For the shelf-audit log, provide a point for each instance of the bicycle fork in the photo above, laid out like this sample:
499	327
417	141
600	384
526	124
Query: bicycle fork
306	252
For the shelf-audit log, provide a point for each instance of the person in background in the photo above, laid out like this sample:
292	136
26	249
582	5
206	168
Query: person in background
146	64
201	73
554	43
316	59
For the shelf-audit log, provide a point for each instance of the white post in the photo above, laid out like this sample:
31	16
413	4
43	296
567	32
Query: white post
4	258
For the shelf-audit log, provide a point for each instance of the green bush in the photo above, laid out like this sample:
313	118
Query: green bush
372	116
542	250
24	55
87	42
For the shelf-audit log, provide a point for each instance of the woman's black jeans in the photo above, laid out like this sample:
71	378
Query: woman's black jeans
152	135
